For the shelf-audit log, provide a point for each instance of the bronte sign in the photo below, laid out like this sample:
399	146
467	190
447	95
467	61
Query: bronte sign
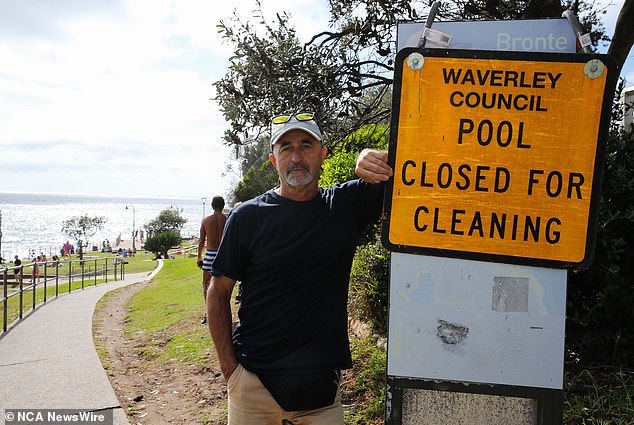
497	155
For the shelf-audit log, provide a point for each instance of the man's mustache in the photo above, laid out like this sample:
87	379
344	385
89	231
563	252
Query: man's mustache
297	166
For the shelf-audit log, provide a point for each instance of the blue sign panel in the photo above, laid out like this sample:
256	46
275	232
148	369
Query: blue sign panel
531	35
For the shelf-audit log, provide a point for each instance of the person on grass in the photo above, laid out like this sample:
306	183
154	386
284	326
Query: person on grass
210	233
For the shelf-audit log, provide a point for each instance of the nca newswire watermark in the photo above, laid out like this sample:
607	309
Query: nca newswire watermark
57	417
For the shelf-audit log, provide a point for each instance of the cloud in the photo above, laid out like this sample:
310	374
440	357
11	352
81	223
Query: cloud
101	89
42	19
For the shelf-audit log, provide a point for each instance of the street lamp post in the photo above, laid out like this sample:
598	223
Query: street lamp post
133	227
204	200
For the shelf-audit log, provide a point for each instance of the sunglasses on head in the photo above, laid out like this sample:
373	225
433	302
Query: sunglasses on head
300	116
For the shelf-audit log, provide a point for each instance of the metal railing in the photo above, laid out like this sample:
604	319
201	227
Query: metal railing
28	286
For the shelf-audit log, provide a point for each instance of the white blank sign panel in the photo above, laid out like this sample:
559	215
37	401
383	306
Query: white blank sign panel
472	321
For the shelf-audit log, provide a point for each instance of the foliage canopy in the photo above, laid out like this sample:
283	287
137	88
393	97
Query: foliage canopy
170	219
82	228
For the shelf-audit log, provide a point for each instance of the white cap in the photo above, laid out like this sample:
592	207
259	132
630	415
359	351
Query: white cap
310	127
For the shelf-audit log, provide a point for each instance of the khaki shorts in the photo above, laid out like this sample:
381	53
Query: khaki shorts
250	403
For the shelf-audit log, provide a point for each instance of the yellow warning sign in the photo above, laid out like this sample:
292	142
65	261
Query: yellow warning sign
496	156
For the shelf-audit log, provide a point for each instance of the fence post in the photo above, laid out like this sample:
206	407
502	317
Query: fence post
45	278
36	278
70	274
56	278
106	269
5	311
95	272
21	287
81	262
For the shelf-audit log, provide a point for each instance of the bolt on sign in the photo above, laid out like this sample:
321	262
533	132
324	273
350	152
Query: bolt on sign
497	156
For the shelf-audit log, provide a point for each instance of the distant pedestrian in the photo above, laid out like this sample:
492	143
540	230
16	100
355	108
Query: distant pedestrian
16	271
67	249
35	277
210	232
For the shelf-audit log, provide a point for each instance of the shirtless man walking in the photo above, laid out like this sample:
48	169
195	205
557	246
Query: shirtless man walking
210	231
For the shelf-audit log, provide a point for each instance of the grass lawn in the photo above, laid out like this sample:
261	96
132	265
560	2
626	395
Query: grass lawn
174	296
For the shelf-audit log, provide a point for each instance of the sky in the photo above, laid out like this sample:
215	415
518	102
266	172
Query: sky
115	96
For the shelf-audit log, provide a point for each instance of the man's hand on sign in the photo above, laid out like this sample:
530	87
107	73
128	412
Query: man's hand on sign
372	166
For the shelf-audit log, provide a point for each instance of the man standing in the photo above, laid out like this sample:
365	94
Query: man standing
292	249
210	231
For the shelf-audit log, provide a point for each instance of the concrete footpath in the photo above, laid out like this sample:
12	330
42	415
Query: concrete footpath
49	361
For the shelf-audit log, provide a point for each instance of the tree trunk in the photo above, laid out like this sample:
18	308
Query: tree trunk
623	34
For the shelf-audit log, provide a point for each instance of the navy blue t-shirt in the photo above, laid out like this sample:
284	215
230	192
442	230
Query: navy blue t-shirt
293	260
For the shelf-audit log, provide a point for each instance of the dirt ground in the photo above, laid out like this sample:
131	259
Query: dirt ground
153	395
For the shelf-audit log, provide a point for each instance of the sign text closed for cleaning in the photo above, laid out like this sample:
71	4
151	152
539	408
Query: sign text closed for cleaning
497	155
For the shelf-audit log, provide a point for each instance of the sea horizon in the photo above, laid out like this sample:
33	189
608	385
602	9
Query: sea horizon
105	195
31	222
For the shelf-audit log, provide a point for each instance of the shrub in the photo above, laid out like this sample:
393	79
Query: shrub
600	326
338	168
369	282
256	181
163	242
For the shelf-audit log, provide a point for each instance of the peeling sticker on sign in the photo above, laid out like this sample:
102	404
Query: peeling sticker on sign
510	294
451	333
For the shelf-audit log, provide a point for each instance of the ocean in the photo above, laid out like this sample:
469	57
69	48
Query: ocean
31	223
